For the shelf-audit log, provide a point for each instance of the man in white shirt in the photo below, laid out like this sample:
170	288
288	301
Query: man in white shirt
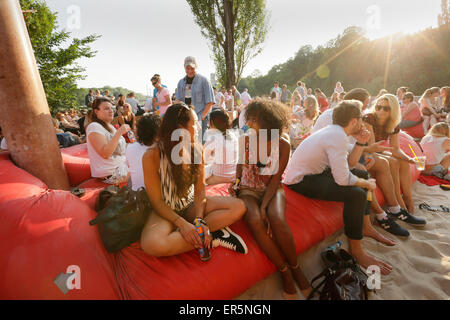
276	88
379	166
220	99
319	169
245	99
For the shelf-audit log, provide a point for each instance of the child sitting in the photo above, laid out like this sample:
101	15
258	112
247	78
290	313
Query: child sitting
436	147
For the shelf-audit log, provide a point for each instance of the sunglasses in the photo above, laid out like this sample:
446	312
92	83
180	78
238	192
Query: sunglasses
385	108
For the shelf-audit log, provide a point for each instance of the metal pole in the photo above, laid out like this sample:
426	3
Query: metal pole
25	117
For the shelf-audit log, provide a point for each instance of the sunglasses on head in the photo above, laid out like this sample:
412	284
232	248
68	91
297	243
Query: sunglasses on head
385	108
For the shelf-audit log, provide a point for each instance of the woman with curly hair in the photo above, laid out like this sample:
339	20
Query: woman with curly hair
174	172
258	184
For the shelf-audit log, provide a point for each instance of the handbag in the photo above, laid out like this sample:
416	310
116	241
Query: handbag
342	280
122	214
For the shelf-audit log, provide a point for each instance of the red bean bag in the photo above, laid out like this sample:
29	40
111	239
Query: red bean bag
227	274
416	131
79	150
45	231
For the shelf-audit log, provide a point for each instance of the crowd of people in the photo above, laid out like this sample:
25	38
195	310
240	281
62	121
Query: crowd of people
337	149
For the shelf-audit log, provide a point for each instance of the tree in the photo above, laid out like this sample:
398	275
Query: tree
57	64
419	61
236	30
444	17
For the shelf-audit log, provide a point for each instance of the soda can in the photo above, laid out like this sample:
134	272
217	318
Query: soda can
131	136
204	252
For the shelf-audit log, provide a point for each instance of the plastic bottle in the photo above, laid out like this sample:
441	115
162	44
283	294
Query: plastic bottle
335	245
204	252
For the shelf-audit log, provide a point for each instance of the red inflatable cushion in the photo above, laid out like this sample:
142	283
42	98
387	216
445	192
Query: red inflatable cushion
42	233
227	274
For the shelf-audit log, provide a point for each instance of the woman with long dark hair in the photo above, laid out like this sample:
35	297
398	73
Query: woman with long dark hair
174	172
221	149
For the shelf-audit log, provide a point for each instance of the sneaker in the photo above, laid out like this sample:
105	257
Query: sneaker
230	240
405	216
392	227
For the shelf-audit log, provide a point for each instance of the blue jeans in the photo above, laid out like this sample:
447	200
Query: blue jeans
204	124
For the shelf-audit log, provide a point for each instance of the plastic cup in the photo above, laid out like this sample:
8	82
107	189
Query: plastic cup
420	163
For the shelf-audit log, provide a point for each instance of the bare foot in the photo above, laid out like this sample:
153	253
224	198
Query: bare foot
306	292
374	234
366	260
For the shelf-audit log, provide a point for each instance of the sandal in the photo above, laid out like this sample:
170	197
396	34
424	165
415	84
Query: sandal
440	208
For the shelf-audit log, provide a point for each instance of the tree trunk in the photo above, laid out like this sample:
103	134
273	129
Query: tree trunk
229	42
26	121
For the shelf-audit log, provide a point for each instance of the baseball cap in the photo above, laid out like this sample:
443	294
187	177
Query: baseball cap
190	61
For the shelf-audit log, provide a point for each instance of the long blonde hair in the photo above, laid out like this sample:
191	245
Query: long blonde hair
440	129
395	116
311	107
427	94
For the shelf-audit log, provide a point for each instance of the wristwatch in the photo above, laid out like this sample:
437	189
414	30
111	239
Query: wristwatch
362	144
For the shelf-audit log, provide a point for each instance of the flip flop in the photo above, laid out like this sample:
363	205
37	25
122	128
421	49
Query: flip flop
445	187
440	208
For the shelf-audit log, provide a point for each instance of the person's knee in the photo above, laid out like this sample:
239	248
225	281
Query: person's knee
238	209
277	221
154	246
382	165
253	220
394	163
356	195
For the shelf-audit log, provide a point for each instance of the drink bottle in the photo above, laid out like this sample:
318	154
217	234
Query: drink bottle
131	136
204	252
335	246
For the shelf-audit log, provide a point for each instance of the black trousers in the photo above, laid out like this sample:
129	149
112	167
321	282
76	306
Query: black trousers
322	186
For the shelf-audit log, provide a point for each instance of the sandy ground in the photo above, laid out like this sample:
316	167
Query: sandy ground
421	263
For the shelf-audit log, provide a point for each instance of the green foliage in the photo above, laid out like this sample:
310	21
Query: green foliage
56	55
418	61
235	29
82	92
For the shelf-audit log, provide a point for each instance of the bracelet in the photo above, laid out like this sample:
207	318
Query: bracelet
201	221
362	144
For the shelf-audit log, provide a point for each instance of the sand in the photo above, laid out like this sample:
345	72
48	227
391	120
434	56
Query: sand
421	262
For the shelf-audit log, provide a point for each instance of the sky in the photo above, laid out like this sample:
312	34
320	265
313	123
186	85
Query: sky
144	37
